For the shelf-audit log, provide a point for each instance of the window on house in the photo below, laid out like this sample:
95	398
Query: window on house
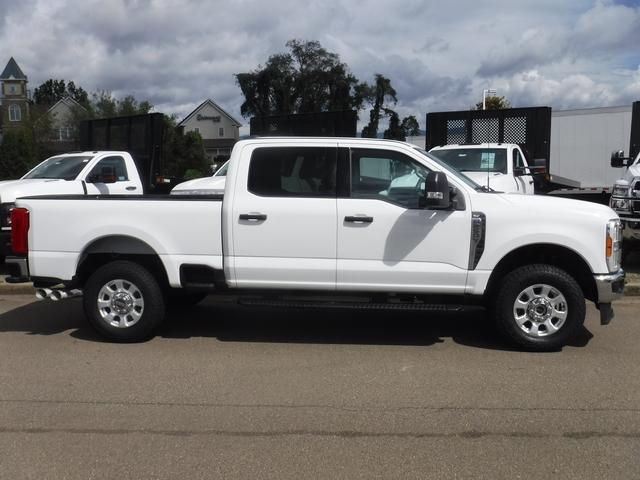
64	134
196	129
221	131
15	114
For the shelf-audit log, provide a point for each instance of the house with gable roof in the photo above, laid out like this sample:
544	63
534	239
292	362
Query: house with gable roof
218	129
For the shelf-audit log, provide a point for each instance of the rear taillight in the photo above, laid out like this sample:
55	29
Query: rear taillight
20	231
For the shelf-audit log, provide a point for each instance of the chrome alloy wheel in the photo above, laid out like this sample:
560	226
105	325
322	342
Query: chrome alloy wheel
120	303
540	310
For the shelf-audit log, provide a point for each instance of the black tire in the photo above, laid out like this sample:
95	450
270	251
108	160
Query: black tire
176	298
512	289
147	319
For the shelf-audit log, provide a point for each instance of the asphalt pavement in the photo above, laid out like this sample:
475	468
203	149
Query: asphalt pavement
236	392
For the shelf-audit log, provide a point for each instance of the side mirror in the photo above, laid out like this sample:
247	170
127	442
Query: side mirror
618	160
538	166
436	191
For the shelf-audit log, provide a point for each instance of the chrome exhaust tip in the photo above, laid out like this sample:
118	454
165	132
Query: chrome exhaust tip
43	293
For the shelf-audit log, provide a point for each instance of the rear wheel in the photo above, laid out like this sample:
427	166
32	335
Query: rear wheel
123	302
539	307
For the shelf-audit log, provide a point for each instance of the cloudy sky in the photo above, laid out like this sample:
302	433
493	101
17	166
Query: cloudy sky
439	55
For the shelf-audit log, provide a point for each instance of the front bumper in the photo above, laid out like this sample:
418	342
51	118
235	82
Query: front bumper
610	286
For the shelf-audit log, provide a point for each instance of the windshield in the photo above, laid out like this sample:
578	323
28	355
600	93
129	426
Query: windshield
222	171
474	159
64	168
449	168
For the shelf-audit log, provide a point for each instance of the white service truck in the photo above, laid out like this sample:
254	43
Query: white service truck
88	173
339	222
498	166
625	199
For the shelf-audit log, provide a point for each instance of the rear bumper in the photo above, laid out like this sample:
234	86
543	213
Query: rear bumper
610	286
19	268
5	243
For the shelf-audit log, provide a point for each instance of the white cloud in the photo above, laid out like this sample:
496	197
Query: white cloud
439	56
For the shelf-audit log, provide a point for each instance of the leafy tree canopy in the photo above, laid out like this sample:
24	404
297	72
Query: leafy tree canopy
494	103
307	78
51	91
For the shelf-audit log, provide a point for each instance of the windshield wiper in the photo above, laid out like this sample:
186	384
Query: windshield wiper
484	188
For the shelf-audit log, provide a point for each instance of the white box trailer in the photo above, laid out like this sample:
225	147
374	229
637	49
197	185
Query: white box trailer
581	145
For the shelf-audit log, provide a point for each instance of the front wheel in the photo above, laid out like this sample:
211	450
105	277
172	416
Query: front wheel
539	307
123	302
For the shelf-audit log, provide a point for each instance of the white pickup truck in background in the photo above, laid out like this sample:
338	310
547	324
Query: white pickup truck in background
499	166
92	173
625	199
339	222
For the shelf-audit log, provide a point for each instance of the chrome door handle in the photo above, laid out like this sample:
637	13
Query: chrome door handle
253	217
354	219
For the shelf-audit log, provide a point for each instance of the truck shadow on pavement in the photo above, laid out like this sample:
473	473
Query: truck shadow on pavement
229	322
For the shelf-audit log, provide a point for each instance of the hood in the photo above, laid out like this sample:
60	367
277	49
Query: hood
202	186
498	181
12	189
549	206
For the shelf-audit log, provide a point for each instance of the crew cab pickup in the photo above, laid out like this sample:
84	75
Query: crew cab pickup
345	223
91	173
625	199
499	166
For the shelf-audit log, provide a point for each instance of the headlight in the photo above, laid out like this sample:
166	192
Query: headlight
613	244
620	191
619	203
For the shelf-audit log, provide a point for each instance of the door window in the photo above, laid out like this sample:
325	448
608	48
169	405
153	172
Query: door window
517	159
387	175
293	172
117	163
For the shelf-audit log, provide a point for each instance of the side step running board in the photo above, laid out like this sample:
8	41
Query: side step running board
433	307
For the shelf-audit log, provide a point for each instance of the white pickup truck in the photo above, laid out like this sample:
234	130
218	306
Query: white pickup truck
625	199
348	223
499	166
93	173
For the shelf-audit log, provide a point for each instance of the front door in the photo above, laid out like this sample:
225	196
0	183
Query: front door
122	186
284	219
386	241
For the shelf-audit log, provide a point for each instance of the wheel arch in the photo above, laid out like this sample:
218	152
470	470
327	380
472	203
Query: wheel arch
547	253
110	248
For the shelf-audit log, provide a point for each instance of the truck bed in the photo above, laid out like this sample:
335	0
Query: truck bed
164	223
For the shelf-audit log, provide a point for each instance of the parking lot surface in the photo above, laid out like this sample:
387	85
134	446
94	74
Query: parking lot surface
235	392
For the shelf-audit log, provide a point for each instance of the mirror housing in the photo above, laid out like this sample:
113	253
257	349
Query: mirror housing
618	160
437	191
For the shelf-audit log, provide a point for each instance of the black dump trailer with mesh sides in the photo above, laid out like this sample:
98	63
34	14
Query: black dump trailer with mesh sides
140	135
574	146
342	123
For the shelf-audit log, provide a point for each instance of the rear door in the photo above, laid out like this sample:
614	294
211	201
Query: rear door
386	240
284	218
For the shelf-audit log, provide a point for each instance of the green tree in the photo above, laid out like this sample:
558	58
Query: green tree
494	102
395	130
308	78
51	91
17	153
379	95
410	126
183	153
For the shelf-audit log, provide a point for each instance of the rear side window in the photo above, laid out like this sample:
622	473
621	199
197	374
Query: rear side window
293	172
